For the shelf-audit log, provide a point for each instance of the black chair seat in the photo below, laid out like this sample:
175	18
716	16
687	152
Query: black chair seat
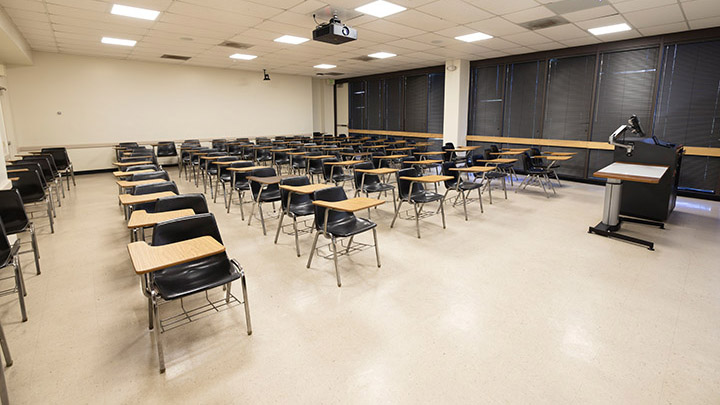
270	196
426	197
302	209
226	177
350	226
15	225
190	278
341	177
537	170
299	165
467	185
242	186
494	175
212	170
377	187
282	161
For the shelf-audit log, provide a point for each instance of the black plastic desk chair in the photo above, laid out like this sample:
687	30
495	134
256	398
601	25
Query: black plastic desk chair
136	168
149	189
418	197
32	192
166	149
48	174
314	166
294	205
9	257
339	224
63	163
222	175
263	193
16	221
239	183
198	276
195	201
160	174
370	183
334	173
463	188
535	174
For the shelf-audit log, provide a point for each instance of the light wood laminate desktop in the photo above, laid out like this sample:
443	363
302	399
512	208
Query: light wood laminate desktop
142	218
129	199
24	169
128	174
434	178
306	189
351	204
128	184
381	171
126	164
146	258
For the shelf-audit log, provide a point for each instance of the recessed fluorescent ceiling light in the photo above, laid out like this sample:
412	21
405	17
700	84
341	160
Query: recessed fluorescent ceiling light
478	36
242	56
380	9
117	41
289	39
610	29
382	55
324	66
134	12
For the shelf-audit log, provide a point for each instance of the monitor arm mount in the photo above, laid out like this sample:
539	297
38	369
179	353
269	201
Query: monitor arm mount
632	125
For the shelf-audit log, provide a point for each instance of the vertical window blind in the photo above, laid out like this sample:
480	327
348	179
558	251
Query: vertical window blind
486	103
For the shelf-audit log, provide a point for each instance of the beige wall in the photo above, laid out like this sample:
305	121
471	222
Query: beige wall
323	107
105	100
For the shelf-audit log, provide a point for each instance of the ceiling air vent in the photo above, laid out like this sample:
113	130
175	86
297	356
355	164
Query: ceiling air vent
236	45
364	58
544	23
175	57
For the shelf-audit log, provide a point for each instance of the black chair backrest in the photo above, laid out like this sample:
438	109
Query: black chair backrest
183	201
135	159
219	143
135	168
446	166
192	141
161	174
31	166
527	161
12	210
217	154
241	177
296	197
535	152
224	168
44	165
29	186
488	155
51	160
494	149
369	178
60	155
155	188
330	194
128	144
166	149
329	168
404	185
178	230
263	172
315	164
5	248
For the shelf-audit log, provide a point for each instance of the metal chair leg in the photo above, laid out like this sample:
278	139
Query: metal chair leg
337	273
397	211
252	211
442	210
20	285
312	251
246	303
482	211
377	249
158	332
417	219
5	349
464	204
229	203
277	233
52	223
33	242
242	210
297	243
262	218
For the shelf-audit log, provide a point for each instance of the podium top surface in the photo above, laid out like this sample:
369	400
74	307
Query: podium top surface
632	172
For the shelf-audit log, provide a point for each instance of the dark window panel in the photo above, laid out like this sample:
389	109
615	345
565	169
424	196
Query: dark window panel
569	98
374	104
357	105
523	99
394	104
436	103
486	100
416	101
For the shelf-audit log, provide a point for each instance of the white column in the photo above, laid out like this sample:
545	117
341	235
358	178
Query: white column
457	91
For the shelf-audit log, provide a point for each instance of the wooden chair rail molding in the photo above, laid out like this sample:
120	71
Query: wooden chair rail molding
395	133
689	150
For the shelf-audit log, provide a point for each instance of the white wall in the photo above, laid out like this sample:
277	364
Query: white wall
323	106
105	101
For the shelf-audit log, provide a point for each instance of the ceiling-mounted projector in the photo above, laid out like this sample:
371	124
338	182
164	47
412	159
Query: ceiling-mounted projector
334	32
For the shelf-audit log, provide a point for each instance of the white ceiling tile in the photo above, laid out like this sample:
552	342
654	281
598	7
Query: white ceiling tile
563	32
589	40
237	6
656	16
701	9
200	23
92	5
636	5
308	6
284	29
705	23
383	26
26	15
28	5
456	11
497	26
664	29
530	14
497	44
594	12
413	45
519	50
212	14
301	20
500	7
546	46
619	36
455	31
420	20
526	38
434	39
601	22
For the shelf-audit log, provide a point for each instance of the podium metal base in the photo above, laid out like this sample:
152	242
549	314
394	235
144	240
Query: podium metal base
608	231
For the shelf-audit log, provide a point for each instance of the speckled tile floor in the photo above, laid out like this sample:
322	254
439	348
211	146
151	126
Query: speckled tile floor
517	305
